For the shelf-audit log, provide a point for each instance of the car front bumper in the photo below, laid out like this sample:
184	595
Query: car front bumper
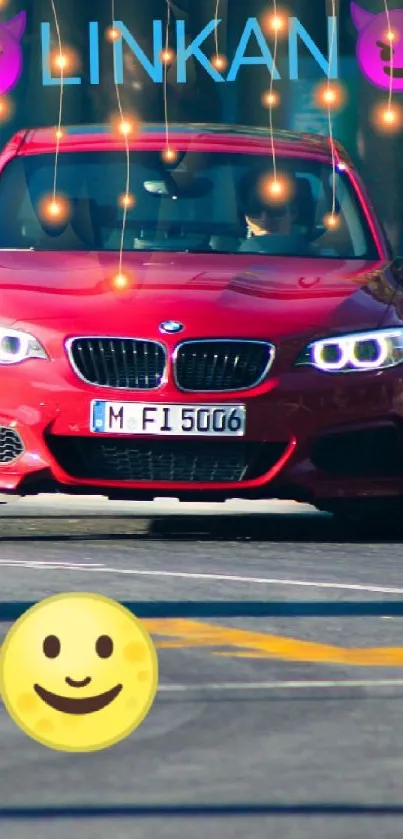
311	436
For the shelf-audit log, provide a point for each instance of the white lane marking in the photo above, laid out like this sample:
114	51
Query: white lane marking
281	685
52	564
42	565
231	578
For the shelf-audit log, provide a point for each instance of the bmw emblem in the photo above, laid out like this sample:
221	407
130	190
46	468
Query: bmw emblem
171	327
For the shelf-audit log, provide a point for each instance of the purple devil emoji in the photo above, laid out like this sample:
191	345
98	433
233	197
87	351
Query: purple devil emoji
380	58
11	32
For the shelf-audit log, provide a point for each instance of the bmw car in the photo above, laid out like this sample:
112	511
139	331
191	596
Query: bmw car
219	319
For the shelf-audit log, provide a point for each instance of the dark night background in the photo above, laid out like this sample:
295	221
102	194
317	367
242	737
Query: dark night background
379	158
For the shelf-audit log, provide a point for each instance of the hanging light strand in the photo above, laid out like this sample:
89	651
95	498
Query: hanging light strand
166	116
217	12
126	198
59	124
329	99
390	37
270	97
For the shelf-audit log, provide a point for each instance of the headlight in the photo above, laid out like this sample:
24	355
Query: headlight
351	353
16	346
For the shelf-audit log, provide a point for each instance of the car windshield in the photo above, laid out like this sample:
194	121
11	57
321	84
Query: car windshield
203	202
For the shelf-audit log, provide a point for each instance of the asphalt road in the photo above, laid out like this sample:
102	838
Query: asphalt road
265	727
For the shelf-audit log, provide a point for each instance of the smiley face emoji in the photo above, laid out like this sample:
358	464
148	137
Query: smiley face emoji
78	672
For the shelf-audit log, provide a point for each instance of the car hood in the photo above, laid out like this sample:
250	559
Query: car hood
210	294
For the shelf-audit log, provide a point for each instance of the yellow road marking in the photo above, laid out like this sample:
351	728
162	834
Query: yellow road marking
249	644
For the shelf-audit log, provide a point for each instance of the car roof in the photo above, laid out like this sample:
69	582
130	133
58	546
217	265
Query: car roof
215	137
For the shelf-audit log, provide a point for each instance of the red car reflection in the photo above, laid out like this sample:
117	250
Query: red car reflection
217	337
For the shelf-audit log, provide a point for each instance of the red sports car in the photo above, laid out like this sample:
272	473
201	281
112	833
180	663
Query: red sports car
246	342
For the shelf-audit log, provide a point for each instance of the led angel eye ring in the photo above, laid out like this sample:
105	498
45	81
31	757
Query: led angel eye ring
342	346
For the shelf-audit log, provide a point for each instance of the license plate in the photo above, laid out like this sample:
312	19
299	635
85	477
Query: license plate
138	418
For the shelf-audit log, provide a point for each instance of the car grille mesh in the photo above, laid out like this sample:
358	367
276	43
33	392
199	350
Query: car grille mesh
188	461
200	366
11	445
122	363
221	365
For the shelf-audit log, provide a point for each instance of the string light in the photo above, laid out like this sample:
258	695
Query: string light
270	96
275	190
60	61
275	22
391	35
126	201
219	61
168	154
121	281
55	209
331	221
387	118
6	108
58	208
167	56
126	127
113	34
330	96
66	60
216	18
270	99
330	100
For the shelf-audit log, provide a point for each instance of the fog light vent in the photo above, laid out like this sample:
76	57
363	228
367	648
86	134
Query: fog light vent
11	445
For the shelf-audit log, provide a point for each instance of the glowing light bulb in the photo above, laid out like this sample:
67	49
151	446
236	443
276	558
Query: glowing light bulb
63	61
389	115
55	209
387	118
275	188
270	99
59	133
329	96
391	35
125	127
167	55
5	108
113	34
331	221
120	280
275	23
169	155
126	200
220	62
